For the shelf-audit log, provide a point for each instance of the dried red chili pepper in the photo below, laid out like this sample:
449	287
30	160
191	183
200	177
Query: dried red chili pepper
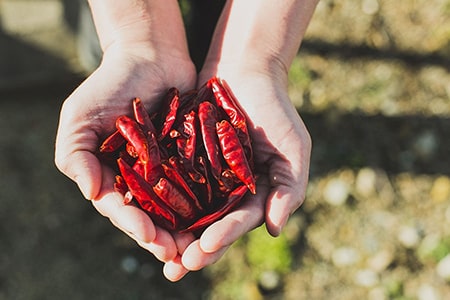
232	200
173	102
134	135
142	117
226	100
237	118
207	115
234	155
186	145
153	168
174	199
173	175
147	199
112	142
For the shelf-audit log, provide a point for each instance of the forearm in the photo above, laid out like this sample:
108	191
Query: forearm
259	34
153	24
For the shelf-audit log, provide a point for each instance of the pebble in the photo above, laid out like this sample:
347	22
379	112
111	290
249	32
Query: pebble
336	192
440	191
427	292
381	260
344	256
409	236
443	268
365	182
270	280
129	264
428	246
426	144
366	278
370	7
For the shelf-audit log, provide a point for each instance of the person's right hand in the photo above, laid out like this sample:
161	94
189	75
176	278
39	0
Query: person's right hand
88	116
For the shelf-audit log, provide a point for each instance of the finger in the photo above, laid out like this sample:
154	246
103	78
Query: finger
128	218
287	193
74	152
183	240
194	258
163	246
234	225
82	167
174	270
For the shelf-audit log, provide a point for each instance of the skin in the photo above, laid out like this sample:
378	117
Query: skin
252	48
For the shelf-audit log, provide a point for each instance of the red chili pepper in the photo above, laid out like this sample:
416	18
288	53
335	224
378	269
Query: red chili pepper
147	199
133	133
234	155
207	115
174	176
112	142
174	199
226	100
152	168
206	186
186	146
226	181
131	150
142	117
231	201
237	118
169	116
120	186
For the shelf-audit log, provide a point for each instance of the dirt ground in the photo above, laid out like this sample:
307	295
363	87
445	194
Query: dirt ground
372	83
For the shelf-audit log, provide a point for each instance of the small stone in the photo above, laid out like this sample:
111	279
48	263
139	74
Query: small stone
409	237
365	182
370	7
427	292
443	268
344	256
270	280
381	260
129	264
440	191
366	278
336	192
426	144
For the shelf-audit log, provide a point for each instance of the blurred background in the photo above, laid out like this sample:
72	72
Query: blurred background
372	83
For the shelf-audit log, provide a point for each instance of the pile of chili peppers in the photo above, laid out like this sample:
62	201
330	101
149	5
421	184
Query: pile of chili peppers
187	165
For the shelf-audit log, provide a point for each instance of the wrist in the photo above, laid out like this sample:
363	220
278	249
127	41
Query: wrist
146	26
267	68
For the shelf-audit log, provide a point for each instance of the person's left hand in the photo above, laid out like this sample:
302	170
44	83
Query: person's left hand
282	147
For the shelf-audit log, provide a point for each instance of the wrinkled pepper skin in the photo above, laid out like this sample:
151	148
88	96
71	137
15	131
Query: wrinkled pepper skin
207	115
234	155
147	199
173	102
233	199
134	135
142	117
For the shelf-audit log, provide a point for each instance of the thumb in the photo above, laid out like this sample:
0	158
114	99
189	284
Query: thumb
84	168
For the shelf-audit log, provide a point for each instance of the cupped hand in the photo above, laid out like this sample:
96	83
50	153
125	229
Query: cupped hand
88	116
282	147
